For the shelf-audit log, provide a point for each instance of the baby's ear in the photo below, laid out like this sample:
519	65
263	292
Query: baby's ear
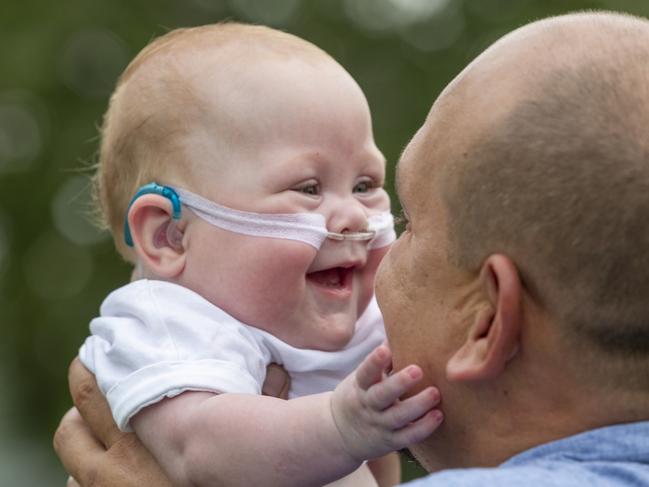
157	237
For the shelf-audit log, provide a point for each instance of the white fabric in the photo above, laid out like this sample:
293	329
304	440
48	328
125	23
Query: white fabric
309	228
155	339
383	226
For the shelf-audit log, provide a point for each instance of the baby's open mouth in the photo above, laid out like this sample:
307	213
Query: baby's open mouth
335	278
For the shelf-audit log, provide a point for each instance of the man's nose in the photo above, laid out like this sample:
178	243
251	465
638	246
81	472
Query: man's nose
346	215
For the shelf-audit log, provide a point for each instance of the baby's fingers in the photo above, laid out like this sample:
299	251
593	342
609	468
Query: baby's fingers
402	413
383	394
418	430
371	370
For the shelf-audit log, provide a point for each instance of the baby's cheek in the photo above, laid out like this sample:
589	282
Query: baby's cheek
276	280
368	276
374	259
284	262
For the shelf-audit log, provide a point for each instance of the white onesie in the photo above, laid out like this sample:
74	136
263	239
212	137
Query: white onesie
155	339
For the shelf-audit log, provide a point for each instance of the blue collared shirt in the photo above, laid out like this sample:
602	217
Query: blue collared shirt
612	456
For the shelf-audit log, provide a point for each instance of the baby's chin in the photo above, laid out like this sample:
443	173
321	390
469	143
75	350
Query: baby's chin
327	344
328	334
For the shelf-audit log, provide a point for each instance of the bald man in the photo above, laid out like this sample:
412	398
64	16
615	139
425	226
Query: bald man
521	284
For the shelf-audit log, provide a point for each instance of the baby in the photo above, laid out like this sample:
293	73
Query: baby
239	173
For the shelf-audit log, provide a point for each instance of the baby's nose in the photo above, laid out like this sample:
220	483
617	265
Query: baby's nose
347	215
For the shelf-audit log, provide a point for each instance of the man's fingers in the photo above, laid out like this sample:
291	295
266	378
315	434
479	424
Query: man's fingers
72	483
126	464
277	382
77	448
91	404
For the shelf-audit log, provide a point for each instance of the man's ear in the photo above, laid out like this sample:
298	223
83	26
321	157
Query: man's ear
157	238
493	337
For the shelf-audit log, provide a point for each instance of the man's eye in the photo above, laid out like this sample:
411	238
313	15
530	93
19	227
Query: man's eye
363	187
401	221
310	189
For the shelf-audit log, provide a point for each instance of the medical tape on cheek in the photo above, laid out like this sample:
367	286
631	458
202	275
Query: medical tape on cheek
383	227
309	228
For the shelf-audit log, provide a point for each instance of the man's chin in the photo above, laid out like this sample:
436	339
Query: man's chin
422	456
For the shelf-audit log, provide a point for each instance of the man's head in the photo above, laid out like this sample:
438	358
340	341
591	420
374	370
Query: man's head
259	121
521	283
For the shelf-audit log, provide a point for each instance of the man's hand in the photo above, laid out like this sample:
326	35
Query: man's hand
93	450
277	382
371	418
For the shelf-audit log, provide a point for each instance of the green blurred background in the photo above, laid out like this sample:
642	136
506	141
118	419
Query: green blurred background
59	63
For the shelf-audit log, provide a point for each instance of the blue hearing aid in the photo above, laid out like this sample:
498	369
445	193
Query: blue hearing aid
152	188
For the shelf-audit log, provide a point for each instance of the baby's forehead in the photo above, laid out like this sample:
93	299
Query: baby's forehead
233	45
209	88
176	69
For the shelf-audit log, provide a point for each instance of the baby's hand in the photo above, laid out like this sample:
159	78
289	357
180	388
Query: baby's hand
369	415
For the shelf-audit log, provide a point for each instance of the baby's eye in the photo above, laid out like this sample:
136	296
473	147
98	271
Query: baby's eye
312	189
364	186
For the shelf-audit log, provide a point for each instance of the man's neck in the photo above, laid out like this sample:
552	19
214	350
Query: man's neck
488	423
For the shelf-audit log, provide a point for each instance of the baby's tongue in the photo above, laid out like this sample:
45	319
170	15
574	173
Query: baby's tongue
328	277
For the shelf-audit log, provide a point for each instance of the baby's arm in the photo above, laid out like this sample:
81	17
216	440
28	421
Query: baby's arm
236	439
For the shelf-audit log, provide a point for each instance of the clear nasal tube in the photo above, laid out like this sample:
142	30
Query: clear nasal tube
351	235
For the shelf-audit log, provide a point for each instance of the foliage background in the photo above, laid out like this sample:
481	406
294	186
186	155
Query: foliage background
58	64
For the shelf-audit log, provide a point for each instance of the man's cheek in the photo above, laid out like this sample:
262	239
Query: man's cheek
395	315
381	278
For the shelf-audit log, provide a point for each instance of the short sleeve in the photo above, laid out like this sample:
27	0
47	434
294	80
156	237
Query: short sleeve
155	339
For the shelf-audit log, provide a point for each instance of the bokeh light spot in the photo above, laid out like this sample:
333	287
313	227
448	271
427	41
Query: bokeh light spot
383	15
417	10
439	32
91	61
56	269
72	212
20	136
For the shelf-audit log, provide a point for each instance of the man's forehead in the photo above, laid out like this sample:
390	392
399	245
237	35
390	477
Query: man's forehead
406	162
398	173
